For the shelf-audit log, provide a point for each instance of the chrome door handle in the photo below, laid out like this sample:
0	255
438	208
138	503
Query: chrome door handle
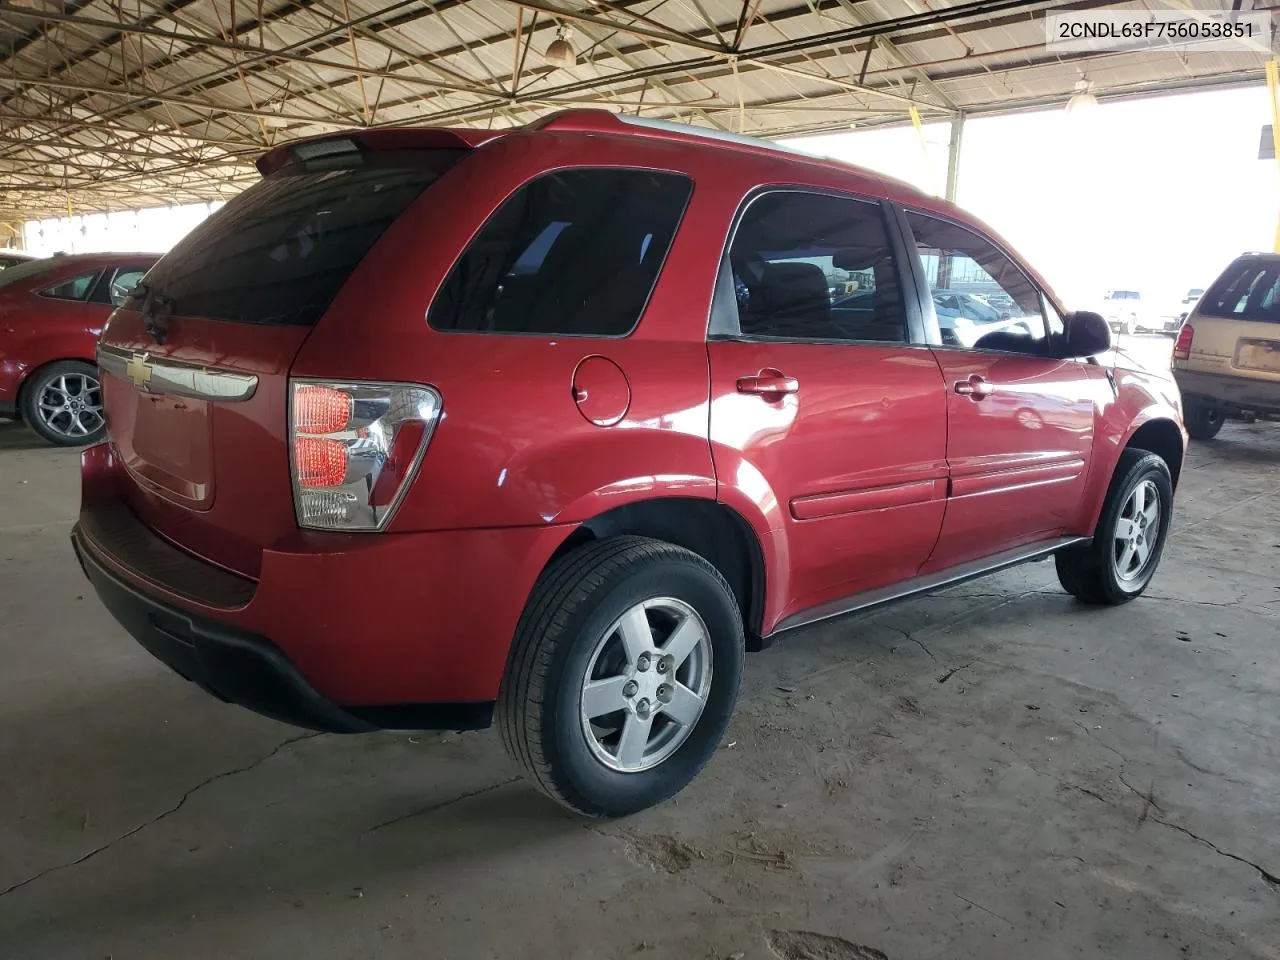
771	384
975	388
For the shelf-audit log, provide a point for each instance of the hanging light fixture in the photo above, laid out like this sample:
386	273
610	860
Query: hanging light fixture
560	50
1083	100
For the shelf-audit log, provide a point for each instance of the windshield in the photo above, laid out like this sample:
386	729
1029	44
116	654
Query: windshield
279	252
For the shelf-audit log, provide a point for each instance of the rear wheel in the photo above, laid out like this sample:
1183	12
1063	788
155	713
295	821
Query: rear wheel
63	403
1203	423
622	676
1129	540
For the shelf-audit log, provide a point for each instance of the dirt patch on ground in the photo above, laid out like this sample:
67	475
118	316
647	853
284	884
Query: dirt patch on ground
803	945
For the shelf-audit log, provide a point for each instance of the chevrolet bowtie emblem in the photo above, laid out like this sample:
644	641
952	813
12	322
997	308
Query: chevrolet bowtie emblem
138	370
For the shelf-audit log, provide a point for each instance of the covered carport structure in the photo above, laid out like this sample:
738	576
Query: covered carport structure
116	104
991	771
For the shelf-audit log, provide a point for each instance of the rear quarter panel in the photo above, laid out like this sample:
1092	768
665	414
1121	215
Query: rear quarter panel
512	447
35	332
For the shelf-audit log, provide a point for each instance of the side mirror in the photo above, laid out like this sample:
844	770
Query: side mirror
1087	335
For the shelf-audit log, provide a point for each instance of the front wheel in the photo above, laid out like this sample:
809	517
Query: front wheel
63	403
1203	423
622	676
1129	540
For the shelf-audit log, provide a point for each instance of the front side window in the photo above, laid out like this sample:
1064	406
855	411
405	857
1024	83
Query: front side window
72	288
807	266
982	299
121	284
571	253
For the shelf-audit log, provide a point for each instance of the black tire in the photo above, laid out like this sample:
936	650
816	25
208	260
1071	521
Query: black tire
1203	423
1088	571
59	430
569	612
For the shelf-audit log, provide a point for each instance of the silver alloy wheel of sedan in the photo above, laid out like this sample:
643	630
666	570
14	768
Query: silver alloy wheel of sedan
646	684
1137	532
70	405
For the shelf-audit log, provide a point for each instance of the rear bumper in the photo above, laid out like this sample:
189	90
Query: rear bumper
340	632
231	664
1228	392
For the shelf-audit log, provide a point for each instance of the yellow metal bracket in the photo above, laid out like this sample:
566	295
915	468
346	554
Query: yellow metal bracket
1273	85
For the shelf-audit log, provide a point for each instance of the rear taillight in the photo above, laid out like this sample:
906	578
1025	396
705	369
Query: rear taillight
1182	347
355	448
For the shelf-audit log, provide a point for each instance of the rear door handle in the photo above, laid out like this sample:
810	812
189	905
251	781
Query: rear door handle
975	388
771	384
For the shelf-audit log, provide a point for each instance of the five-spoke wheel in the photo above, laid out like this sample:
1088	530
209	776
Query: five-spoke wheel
646	684
623	674
63	403
1137	530
1119	562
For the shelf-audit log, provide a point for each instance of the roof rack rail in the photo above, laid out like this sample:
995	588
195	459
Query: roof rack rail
606	121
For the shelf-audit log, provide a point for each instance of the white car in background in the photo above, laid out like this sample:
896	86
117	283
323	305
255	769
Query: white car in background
1123	310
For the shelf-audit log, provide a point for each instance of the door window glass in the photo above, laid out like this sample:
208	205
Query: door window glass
812	267
123	282
73	288
982	299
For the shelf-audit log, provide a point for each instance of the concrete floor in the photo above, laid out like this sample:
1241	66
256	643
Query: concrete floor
994	771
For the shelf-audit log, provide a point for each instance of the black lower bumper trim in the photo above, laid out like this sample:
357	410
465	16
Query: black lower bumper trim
246	669
8	410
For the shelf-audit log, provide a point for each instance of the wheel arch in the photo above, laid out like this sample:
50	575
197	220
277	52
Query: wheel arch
712	530
1163	437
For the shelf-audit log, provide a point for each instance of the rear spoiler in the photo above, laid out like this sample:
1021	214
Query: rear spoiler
388	138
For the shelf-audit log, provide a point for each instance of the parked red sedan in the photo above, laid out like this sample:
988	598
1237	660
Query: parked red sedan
51	314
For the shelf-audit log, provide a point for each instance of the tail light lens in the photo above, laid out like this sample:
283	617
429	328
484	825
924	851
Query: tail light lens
355	448
1182	347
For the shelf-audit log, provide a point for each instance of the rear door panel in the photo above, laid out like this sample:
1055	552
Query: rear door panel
856	458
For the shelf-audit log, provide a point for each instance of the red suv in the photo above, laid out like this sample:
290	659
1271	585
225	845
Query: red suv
557	422
51	313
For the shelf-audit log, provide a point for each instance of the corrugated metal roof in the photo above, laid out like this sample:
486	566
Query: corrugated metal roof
174	104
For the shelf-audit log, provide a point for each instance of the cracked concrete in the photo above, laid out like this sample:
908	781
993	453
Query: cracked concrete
1099	783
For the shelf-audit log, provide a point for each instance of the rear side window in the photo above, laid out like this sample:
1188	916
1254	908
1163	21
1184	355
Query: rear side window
1249	290
279	252
813	267
572	253
72	288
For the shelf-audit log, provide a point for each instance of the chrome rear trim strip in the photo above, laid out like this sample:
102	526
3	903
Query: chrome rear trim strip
176	378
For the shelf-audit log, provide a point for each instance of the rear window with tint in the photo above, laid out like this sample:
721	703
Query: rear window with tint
24	271
1249	290
572	253
279	252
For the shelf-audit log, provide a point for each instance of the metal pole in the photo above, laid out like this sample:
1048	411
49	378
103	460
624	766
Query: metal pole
953	156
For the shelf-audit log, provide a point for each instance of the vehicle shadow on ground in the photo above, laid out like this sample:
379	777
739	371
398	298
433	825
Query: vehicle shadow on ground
1243	444
15	435
272	817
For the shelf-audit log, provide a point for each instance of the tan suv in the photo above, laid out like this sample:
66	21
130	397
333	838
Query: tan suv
1227	357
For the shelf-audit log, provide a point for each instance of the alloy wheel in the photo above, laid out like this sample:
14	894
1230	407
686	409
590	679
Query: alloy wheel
70	405
646	684
1137	532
